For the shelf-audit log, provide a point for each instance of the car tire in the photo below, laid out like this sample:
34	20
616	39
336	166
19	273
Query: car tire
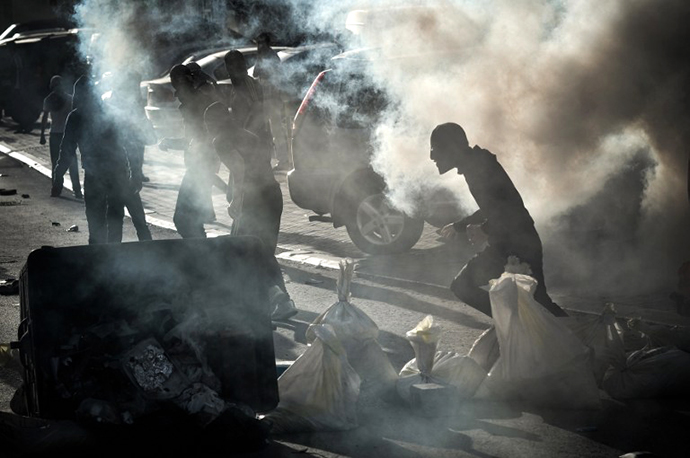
377	228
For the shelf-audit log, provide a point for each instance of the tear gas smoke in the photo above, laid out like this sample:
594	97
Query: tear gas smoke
572	97
585	105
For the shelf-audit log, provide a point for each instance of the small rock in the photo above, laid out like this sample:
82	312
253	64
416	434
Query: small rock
73	228
55	223
26	196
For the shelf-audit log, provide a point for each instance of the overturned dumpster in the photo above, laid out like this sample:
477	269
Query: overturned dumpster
149	332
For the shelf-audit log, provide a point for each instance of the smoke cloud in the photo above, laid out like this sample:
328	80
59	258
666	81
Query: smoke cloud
584	103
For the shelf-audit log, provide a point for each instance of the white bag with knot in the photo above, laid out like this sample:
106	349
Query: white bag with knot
541	360
449	368
319	391
358	334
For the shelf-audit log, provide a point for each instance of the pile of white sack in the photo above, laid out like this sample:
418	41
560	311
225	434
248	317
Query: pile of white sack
528	355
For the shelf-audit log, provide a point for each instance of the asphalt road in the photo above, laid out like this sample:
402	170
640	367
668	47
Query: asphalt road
396	297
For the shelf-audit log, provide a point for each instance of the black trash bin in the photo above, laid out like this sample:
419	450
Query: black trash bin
73	299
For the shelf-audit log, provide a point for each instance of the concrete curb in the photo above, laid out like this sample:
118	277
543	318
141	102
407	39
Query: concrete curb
305	258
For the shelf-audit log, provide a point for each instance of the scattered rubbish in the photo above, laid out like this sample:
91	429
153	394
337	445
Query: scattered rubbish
55	223
319	391
26	196
312	281
599	332
9	287
658	372
73	228
358	333
640	454
7	192
541	360
3	175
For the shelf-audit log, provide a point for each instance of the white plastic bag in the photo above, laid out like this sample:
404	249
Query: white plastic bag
424	339
358	334
485	349
658	372
599	332
449	368
541	360
319	391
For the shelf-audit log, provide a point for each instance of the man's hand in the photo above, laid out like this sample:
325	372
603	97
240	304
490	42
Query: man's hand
448	232
476	235
43	139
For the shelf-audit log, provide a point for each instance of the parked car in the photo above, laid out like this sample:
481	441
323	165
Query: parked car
22	29
300	63
333	175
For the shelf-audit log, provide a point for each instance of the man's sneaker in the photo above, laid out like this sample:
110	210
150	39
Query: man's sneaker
284	310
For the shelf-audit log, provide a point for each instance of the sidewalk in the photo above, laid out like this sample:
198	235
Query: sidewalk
430	264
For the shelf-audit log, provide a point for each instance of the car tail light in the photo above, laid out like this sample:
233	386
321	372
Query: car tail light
305	102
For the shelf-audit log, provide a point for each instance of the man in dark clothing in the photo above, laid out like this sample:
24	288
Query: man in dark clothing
194	203
257	202
502	216
104	160
57	105
135	132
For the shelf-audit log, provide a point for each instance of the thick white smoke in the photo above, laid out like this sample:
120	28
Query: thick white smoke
584	103
569	95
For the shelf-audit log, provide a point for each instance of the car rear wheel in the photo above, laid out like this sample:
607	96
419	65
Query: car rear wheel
377	228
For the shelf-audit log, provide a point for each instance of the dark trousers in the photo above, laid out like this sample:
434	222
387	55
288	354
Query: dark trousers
54	142
193	204
136	211
105	206
490	264
262	208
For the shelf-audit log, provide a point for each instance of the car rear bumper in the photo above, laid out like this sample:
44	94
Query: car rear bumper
313	190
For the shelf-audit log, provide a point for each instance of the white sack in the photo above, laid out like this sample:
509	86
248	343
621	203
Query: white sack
541	360
485	349
449	368
358	333
319	391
